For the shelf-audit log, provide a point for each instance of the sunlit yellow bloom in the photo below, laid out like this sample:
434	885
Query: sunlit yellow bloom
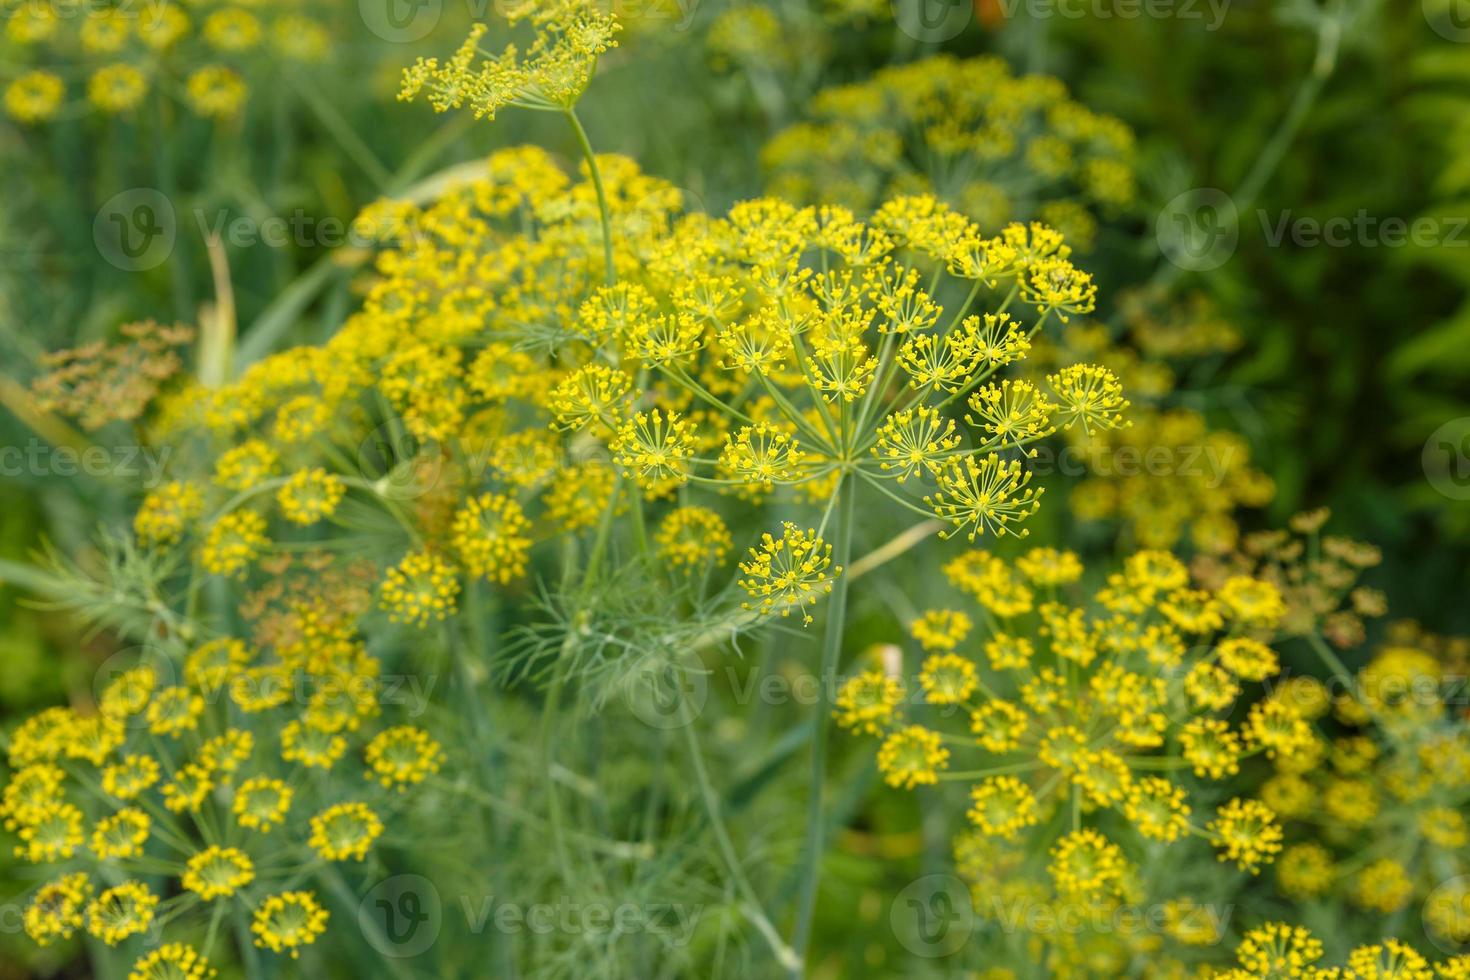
217	872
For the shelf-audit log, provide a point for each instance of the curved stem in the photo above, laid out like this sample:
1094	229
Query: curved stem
752	906
586	144
831	654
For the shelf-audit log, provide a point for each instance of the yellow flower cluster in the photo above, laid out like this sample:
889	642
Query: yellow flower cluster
204	50
996	147
1317	576
777	349
1281	951
1092	706
1171	475
1379	810
552	73
130	788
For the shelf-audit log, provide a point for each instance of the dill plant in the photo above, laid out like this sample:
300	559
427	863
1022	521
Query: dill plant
818	348
571	413
630	360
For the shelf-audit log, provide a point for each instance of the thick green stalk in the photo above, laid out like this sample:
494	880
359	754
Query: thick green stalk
831	655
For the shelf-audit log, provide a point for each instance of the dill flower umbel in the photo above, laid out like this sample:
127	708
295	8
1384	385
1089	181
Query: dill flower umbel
947	678
116	88
1084	864
34	97
552	73
788	572
121	911
233	542
345	831
489	536
693	538
403	756
218	871
1002	806
941	629
284	923
912	756
130	776
262	803
969	130
54	833
867	702
311	745
1277	947
173	961
173	711
57	909
310	495
121	835
986	497
1079	700
424	587
654	448
167	512
215	92
1247	833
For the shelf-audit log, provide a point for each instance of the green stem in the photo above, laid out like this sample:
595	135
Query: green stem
1329	36
586	144
484	738
548	732
249	955
1324	63
831	654
751	908
341	130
